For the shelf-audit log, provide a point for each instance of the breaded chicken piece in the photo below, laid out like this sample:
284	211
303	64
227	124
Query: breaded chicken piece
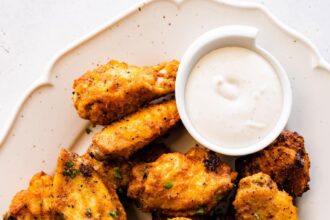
34	202
285	160
157	216
114	174
124	137
179	184
179	218
116	89
259	198
79	192
161	217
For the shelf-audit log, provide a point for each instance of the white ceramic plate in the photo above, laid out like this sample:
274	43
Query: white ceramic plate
147	34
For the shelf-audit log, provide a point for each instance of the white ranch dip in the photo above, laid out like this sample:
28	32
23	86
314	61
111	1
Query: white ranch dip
233	97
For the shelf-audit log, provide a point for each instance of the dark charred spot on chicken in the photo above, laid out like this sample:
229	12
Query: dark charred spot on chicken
86	170
212	161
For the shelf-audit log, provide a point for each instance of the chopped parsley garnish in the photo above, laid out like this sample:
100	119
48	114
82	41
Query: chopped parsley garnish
113	214
168	185
69	171
88	212
199	211
117	173
69	164
88	130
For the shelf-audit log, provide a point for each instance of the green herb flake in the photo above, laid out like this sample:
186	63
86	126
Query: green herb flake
200	211
69	164
88	213
113	214
168	185
88	130
69	171
117	173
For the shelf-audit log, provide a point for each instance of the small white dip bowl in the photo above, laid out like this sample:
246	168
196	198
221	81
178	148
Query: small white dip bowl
230	36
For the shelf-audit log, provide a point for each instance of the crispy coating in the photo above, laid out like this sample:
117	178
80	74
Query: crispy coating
79	192
285	160
259	198
34	202
124	137
164	217
157	216
114	174
117	173
117	89
179	184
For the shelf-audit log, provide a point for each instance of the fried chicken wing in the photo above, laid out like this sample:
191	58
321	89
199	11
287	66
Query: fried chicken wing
124	137
114	174
157	216
259	198
164	217
179	184
33	203
117	89
285	160
79	192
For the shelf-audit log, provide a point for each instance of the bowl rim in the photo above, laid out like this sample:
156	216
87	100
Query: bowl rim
242	36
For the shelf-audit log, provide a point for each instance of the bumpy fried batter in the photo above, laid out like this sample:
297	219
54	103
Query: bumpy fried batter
79	193
117	89
34	202
259	198
179	184
124	137
114	174
285	160
161	217
157	216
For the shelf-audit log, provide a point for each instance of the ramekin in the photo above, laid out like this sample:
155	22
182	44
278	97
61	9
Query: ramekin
230	36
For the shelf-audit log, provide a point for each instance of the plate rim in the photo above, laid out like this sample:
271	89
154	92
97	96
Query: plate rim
45	78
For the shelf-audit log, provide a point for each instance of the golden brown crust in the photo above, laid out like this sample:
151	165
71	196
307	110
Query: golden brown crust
180	185
158	216
117	173
124	137
34	202
285	160
164	217
259	198
114	174
116	89
79	193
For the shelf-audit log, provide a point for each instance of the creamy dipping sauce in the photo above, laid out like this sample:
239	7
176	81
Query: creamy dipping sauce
233	97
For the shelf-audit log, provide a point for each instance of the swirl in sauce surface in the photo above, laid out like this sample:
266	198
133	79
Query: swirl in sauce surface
233	97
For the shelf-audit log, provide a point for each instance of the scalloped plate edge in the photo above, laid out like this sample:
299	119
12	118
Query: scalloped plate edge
44	80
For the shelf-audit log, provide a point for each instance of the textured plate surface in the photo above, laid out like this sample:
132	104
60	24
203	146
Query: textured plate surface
147	34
